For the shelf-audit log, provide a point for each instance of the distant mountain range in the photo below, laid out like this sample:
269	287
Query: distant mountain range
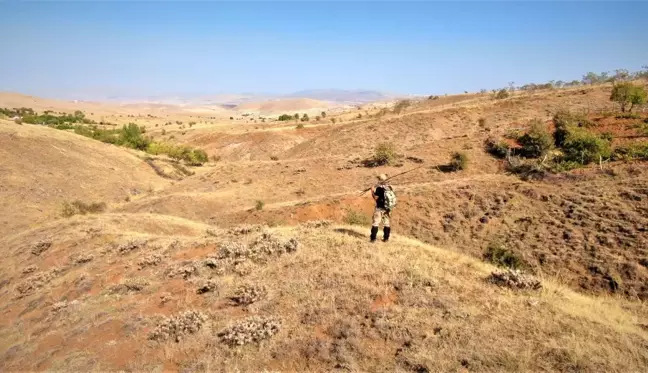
337	96
342	96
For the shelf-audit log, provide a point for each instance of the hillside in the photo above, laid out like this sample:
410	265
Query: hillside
43	168
167	273
322	299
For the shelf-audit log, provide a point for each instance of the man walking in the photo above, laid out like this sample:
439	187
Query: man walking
385	198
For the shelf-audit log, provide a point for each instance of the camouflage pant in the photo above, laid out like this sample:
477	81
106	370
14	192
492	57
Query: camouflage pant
380	215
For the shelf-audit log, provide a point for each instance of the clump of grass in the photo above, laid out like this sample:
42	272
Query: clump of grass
628	116
248	294
39	247
514	279
251	330
81	208
459	161
498	254
177	327
354	217
274	158
259	205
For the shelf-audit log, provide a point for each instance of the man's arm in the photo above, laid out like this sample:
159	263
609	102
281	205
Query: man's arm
373	193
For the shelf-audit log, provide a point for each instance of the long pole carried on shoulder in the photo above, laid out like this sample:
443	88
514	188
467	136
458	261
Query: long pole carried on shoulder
391	177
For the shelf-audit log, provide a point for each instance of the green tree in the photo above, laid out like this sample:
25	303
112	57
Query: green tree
590	78
296	116
79	115
621	74
131	136
305	118
323	115
628	94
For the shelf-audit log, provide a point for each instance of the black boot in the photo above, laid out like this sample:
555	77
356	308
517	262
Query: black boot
374	233
386	232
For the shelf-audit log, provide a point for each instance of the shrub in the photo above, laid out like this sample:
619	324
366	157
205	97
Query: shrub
628	94
79	207
354	217
402	105
305	118
536	142
634	151
259	205
482	122
300	126
193	157
502	94
459	161
191	124
585	147
499	255
497	149
385	153
274	158
179	326
285	117
564	121
131	137
196	157
525	170
323	115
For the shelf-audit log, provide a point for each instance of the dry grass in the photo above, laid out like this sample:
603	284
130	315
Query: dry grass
343	304
337	302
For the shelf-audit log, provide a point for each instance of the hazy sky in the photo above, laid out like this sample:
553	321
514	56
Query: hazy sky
60	49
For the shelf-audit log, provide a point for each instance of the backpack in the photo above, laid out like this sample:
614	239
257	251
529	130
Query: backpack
390	198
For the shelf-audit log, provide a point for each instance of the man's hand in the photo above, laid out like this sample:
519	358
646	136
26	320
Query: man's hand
373	193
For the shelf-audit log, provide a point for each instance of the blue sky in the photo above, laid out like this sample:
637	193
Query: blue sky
62	49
